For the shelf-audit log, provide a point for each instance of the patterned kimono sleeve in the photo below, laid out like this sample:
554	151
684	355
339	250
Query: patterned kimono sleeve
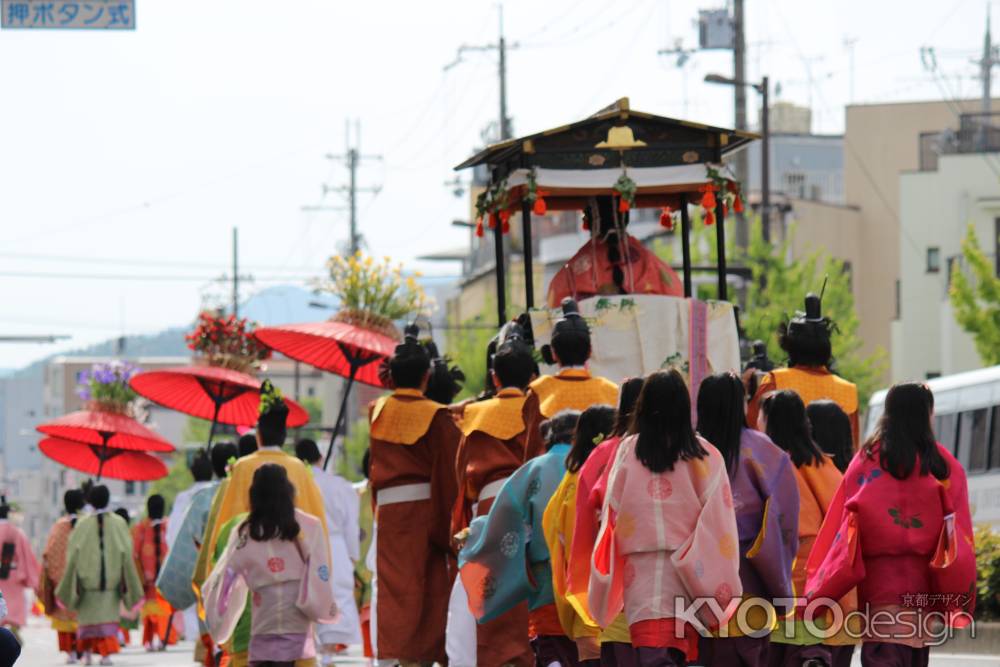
708	561
558	517
773	552
225	594
68	586
494	562
27	562
174	580
606	590
315	593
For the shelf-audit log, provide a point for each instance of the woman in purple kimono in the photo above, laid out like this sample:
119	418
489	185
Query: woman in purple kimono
278	555
766	502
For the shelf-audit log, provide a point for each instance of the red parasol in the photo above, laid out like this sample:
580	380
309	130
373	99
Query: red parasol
110	429
222	395
345	349
104	461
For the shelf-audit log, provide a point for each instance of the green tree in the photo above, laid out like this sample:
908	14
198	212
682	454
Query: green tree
975	299
178	478
355	446
988	568
467	349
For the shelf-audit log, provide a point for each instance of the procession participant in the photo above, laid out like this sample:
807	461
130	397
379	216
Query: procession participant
271	433
413	443
784	420
53	566
247	444
150	550
278	558
176	575
129	619
596	422
495	437
572	387
668	531
505	560
99	577
19	569
766	501
906	497
616	645
612	261
806	341
446	380
342	511
831	430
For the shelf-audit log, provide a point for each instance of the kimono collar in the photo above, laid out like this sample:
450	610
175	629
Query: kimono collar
500	417
573	372
573	388
403	417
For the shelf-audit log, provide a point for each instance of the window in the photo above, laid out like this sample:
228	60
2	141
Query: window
129	488
848	272
930	375
933	259
995	439
946	429
973	439
795	183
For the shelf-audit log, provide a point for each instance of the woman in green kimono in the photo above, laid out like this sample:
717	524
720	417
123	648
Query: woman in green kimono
100	575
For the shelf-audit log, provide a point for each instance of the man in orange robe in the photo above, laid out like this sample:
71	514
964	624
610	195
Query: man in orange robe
414	442
496	436
150	550
612	261
806	341
572	387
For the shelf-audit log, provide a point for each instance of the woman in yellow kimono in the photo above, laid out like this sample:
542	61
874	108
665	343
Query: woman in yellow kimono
595	424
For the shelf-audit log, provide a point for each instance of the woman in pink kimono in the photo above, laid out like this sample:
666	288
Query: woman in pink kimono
19	570
279	556
899	528
766	501
668	535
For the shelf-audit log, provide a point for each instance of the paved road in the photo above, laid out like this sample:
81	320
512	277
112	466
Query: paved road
40	651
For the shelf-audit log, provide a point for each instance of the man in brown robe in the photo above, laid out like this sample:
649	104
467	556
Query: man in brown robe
496	436
414	441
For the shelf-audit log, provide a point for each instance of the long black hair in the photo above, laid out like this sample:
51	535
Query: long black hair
595	424
628	396
662	420
272	506
788	427
831	430
722	415
155	507
904	434
99	497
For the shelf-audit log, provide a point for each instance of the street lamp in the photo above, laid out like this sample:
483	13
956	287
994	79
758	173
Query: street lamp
765	158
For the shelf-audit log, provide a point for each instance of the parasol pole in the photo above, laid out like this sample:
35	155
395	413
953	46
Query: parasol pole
342	415
103	455
215	420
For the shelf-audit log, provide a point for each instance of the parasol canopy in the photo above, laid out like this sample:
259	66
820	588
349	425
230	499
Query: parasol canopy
342	348
103	461
94	427
220	395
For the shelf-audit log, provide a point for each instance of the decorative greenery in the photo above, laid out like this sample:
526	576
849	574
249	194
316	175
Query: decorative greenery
988	570
975	299
270	396
626	189
372	293
105	386
227	342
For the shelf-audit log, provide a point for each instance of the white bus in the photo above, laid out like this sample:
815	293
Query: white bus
967	422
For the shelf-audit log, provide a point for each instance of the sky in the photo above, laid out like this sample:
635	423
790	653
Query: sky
127	158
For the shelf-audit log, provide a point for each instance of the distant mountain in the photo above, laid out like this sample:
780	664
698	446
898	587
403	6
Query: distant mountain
283	304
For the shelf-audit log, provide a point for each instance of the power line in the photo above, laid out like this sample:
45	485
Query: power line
353	158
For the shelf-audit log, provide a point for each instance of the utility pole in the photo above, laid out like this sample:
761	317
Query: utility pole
504	128
236	274
353	159
740	114
986	63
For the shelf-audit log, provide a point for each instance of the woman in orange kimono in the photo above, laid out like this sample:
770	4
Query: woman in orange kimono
900	530
53	566
150	552
495	437
612	261
784	420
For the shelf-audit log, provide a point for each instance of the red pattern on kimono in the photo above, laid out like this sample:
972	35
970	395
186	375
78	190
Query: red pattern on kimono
907	544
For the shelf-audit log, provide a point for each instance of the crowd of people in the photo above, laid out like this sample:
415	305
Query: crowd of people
553	520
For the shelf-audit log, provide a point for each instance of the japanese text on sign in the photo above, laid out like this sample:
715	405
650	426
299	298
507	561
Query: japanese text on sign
68	14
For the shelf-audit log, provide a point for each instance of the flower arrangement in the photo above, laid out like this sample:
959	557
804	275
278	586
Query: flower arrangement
227	342
372	294
105	386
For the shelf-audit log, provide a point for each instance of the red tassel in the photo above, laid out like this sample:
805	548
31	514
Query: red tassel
666	220
731	186
623	205
493	220
505	226
505	215
709	218
540	207
708	199
479	227
738	204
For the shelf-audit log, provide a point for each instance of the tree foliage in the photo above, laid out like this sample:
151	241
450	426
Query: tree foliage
988	569
975	299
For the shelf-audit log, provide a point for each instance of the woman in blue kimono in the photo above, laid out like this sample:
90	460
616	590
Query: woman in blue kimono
766	502
505	560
